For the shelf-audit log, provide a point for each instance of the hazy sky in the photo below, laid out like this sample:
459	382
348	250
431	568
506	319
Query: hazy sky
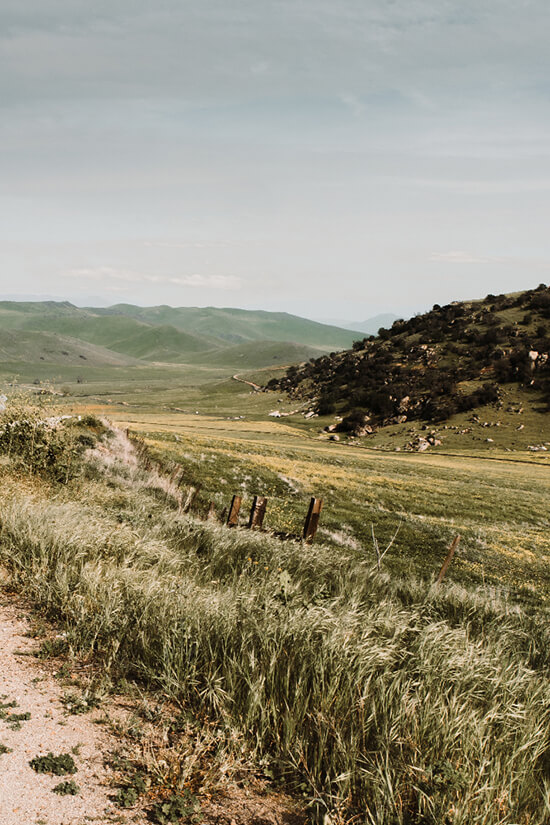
325	158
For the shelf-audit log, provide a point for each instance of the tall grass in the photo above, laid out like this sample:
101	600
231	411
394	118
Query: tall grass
394	699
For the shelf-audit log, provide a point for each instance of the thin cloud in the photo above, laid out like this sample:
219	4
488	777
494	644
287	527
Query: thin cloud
188	245
353	103
462	257
109	274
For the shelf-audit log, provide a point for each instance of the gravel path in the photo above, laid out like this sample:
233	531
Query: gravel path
26	797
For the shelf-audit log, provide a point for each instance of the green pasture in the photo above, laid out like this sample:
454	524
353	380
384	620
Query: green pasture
498	503
494	493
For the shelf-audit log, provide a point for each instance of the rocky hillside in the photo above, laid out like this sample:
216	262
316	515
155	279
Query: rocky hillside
452	359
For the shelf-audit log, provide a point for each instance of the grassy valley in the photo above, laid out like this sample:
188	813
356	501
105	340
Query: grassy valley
349	678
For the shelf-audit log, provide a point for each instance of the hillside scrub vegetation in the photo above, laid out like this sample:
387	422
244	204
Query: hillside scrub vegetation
385	698
450	360
45	444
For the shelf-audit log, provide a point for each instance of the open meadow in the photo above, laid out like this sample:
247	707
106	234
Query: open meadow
221	434
355	682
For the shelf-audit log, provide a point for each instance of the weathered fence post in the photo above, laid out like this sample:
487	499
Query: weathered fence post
312	519
175	476
448	560
211	515
233	517
257	512
190	499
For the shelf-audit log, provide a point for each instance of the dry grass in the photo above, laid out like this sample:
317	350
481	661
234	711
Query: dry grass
373	694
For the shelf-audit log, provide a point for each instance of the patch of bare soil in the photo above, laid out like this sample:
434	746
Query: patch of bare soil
35	722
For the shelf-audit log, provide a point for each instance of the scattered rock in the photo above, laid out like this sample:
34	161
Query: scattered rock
362	431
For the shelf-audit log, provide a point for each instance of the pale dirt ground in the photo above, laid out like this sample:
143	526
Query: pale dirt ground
26	798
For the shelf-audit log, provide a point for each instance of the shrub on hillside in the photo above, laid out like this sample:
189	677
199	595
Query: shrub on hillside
39	442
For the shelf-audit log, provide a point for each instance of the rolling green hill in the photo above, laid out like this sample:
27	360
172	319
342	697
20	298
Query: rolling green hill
29	347
238	325
255	354
119	333
179	335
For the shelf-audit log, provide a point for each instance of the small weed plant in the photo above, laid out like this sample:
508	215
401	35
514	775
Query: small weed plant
68	788
129	793
59	765
176	809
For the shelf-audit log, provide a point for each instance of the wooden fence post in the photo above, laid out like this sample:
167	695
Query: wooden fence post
211	515
175	475
190	499
448	560
233	517
257	512
312	519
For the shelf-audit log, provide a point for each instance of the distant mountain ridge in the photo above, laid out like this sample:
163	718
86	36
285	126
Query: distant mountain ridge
372	325
369	327
179	334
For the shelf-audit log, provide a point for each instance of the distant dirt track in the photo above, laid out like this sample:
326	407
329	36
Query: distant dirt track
256	387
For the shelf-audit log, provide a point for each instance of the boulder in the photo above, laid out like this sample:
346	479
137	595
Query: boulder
360	432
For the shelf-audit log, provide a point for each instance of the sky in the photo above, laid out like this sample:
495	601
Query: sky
329	159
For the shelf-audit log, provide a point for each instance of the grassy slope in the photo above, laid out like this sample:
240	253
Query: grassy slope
255	354
22	347
375	694
126	335
239	325
236	338
498	506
